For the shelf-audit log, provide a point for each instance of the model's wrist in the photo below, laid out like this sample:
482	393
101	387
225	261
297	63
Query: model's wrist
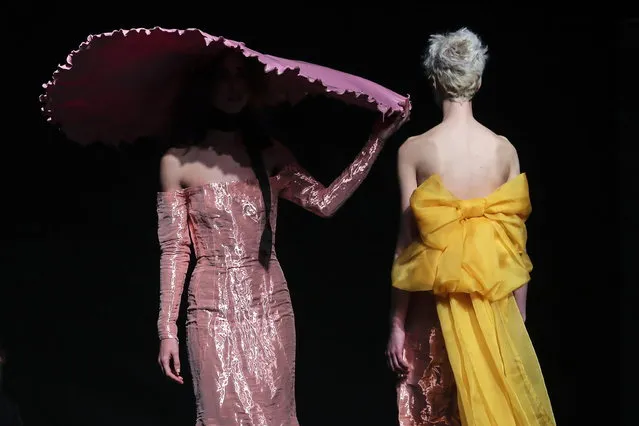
397	324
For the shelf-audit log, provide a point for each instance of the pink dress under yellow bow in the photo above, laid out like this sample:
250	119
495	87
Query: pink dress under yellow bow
472	256
240	323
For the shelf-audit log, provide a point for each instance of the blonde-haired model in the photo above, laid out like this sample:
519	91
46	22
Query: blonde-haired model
458	341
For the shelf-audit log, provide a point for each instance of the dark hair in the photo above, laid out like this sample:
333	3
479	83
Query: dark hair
192	115
256	140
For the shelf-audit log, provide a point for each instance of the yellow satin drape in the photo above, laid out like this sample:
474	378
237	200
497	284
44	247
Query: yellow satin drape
472	256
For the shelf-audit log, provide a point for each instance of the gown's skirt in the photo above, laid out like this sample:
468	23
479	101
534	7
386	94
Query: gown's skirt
427	396
241	342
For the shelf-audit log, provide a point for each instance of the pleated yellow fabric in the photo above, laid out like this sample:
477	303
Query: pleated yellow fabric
472	256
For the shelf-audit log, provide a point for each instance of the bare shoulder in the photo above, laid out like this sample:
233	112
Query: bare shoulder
415	146
506	149
170	169
408	146
508	156
172	156
504	143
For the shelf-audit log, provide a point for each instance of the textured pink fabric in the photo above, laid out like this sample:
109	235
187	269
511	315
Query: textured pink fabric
240	322
428	394
118	86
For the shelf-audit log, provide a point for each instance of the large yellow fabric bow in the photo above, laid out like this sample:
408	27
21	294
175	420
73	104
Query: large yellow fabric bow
467	246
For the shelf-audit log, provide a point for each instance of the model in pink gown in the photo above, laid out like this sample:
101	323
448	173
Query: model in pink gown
240	322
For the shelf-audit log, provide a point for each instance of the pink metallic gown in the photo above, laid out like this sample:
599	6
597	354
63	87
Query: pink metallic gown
427	396
240	323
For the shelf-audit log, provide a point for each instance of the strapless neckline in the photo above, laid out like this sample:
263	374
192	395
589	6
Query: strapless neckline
195	188
246	181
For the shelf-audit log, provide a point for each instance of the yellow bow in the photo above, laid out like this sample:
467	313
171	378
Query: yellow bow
467	246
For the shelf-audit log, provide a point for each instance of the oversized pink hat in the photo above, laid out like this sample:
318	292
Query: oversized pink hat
119	86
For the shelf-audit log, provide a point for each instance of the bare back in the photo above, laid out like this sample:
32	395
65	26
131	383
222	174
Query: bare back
471	159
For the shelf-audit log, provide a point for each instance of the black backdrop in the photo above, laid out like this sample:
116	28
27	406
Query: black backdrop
80	258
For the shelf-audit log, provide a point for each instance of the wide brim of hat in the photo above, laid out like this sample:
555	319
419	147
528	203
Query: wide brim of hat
120	86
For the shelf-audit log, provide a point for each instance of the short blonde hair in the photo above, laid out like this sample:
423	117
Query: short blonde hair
456	61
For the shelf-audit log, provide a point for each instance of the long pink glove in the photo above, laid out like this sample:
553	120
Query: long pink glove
175	246
299	187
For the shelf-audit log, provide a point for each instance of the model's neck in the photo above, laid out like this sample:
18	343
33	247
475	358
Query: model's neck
222	127
457	110
224	121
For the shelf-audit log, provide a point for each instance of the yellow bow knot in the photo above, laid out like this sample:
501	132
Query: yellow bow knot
472	208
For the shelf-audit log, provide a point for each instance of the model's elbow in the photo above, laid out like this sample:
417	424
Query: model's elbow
326	213
328	210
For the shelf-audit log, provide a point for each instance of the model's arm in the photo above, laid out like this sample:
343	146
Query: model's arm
175	246
522	292
400	299
407	175
298	186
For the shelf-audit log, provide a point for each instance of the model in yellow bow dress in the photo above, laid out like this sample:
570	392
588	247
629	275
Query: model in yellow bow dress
458	340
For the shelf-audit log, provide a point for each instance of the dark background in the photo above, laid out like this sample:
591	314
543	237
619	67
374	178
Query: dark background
80	255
